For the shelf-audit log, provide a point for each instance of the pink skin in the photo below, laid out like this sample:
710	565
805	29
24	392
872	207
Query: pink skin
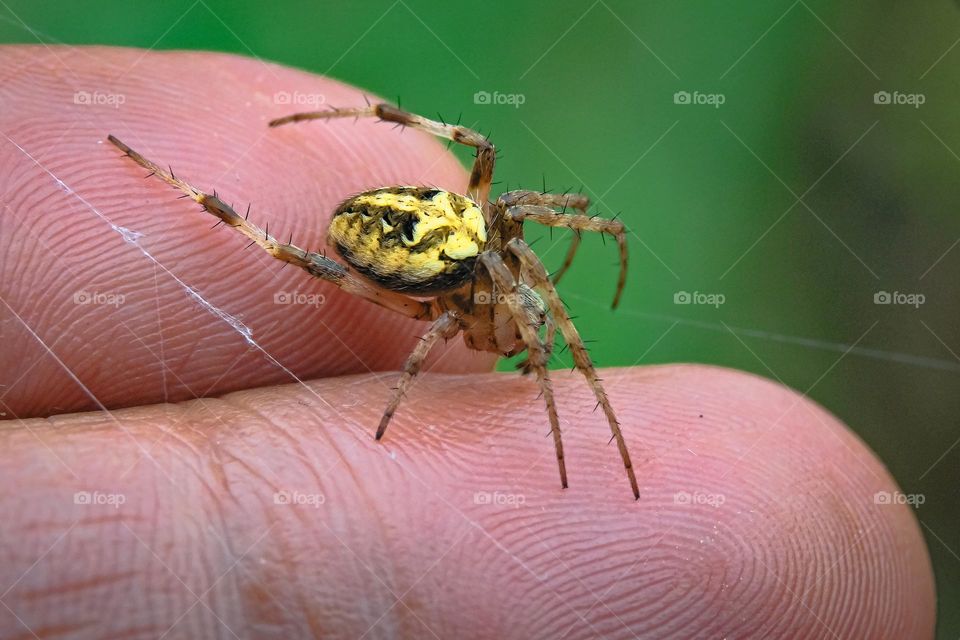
781	537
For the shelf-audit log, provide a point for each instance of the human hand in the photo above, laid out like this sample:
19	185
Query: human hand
271	511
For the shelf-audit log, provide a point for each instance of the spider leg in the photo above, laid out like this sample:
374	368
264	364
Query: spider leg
538	317
519	209
550	337
314	263
446	326
536	359
534	269
576	201
548	341
568	260
562	201
480	177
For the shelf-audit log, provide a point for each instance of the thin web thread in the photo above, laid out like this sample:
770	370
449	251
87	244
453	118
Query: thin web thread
812	343
133	238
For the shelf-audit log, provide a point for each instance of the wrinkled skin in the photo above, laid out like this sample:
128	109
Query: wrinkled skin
782	537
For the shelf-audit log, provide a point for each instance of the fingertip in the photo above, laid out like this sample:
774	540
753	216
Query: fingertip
180	281
765	483
756	514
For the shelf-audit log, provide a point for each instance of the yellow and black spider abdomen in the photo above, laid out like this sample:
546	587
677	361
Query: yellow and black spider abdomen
419	240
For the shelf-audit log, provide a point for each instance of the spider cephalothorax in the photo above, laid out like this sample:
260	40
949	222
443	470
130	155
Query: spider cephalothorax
464	253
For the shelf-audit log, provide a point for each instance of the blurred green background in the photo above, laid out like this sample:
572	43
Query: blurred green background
797	199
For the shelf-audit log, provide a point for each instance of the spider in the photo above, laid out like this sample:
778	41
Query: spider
459	261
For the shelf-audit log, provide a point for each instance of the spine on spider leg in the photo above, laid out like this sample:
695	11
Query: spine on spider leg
210	203
321	267
157	170
213	205
285	251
